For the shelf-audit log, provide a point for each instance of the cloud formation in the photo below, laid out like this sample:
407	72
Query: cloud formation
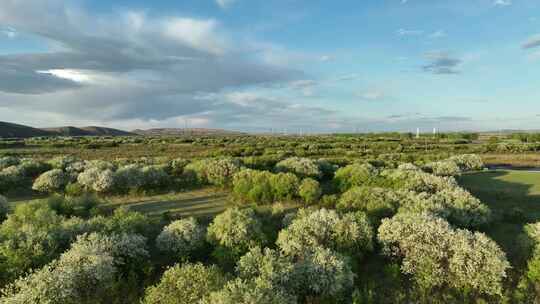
441	63
126	66
532	42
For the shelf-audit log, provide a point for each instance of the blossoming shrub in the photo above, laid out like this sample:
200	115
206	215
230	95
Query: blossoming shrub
234	232
284	186
84	274
437	256
302	167
350	233
97	180
217	172
182	238
468	162
444	168
264	187
185	284
51	181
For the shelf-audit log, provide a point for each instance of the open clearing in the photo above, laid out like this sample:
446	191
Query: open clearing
203	202
514	198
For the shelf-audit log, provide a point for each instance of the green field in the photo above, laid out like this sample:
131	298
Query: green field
514	198
202	202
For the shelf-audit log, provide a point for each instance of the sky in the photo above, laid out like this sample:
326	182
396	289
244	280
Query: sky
281	65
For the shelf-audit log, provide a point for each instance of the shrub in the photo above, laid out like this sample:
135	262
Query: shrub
185	284
98	180
284	185
181	238
253	185
3	208
241	291
350	233
468	162
376	202
436	255
217	172
8	161
236	231
354	175
444	168
419	181
51	181
310	190
302	167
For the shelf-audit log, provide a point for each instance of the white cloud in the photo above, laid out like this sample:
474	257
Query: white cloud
438	34
225	3
199	34
502	2
409	32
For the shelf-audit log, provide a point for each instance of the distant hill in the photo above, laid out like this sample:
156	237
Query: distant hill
87	131
10	130
182	131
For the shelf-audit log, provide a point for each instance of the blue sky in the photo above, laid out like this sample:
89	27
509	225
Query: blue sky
315	66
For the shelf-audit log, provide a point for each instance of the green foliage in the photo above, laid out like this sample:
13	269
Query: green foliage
185	284
302	167
354	175
234	232
182	238
310	190
376	202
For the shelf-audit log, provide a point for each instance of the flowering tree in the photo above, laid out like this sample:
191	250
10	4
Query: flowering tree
51	181
310	190
302	167
185	284
349	233
354	175
182	237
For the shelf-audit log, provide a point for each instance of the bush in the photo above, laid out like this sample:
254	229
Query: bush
350	233
185	284
444	168
240	291
354	175
182	238
253	185
3	208
376	202
217	172
436	255
310	190
51	181
468	162
284	186
302	167
235	231
98	180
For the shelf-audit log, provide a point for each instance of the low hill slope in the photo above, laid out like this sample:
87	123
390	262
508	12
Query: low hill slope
11	130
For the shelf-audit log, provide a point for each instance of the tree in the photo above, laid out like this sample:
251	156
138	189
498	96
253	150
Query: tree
350	233
354	175
437	256
302	167
284	185
185	284
310	190
234	232
182	238
376	202
51	181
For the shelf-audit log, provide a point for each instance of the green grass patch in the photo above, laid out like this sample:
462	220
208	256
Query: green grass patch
514	198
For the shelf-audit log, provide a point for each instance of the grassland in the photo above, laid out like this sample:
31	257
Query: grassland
514	198
198	203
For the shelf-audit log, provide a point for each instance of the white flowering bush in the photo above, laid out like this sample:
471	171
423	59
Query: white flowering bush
63	162
436	255
376	202
217	172
419	181
185	284
98	180
84	274
51	181
236	230
270	268
240	291
358	174
444	168
302	167
182	238
408	166
324	274
349	233
468	162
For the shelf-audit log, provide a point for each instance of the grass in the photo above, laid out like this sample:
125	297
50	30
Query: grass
198	203
514	198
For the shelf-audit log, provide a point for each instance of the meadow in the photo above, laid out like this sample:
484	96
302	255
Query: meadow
345	218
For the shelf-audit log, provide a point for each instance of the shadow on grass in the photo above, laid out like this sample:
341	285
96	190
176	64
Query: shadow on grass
508	194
